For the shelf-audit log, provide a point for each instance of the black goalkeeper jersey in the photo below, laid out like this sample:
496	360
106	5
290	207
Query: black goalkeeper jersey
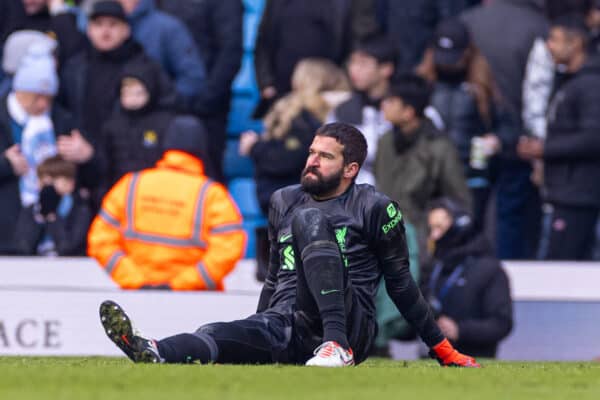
370	234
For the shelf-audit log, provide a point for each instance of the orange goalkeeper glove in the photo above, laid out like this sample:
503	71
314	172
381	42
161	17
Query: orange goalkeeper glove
447	356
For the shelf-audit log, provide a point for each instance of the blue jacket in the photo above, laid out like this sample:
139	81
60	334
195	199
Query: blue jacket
167	40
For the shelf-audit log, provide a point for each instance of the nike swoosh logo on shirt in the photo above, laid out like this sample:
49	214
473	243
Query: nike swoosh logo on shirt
326	292
284	238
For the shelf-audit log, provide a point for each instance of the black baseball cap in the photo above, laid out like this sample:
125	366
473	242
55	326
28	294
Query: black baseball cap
108	8
450	41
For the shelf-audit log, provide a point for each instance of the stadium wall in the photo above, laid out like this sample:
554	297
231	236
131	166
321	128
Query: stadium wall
50	307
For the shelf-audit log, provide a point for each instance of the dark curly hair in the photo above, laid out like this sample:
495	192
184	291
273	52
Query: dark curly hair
354	142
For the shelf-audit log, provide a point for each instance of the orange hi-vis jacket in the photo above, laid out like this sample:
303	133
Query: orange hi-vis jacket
168	225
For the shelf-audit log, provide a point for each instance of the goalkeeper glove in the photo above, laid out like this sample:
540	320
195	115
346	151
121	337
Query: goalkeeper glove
447	356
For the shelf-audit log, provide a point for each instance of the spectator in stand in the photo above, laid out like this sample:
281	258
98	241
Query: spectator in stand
132	139
517	200
91	80
465	96
169	227
57	223
370	68
29	124
466	285
279	155
15	48
48	16
410	24
294	30
592	20
216	26
416	163
570	151
167	41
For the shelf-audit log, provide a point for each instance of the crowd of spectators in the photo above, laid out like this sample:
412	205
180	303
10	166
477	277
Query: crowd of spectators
492	104
481	117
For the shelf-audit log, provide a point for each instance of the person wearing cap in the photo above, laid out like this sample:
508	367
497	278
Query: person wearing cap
466	98
410	24
571	148
169	227
507	50
465	284
168	42
370	68
29	125
90	81
15	48
415	162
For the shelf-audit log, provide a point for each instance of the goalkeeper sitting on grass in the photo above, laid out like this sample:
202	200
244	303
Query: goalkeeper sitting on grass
331	242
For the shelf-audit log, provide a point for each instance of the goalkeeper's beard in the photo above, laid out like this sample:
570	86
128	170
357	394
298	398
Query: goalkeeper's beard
321	186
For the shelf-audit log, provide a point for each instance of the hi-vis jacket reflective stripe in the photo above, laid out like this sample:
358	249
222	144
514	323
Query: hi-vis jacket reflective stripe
168	225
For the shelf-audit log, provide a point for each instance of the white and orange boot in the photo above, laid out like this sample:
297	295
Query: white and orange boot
331	354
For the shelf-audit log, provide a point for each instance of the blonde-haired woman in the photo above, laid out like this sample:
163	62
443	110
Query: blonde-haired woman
279	154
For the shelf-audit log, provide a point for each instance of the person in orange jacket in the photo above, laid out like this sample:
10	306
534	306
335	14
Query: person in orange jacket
169	227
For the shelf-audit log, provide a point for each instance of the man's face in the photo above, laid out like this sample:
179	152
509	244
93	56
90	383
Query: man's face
324	167
562	45
439	221
395	111
592	19
365	72
107	33
129	5
34	103
33	7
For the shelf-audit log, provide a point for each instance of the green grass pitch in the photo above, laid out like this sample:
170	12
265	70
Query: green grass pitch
116	378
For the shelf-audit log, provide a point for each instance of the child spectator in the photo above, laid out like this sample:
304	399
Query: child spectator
57	223
132	138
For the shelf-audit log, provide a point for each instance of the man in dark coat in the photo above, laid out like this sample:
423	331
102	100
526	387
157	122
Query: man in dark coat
466	286
572	147
38	15
216	26
90	81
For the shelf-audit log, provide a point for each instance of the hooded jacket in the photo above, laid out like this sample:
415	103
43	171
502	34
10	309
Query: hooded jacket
478	299
133	140
168	225
572	148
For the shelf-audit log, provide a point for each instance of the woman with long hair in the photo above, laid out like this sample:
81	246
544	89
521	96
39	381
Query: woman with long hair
466	99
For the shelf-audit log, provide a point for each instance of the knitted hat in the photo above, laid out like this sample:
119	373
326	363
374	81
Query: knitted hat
37	72
17	44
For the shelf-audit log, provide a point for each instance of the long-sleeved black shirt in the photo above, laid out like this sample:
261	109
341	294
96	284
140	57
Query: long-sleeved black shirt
370	233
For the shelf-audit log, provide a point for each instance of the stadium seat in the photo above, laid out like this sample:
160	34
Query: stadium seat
245	81
254	6
240	117
251	22
243	191
234	165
